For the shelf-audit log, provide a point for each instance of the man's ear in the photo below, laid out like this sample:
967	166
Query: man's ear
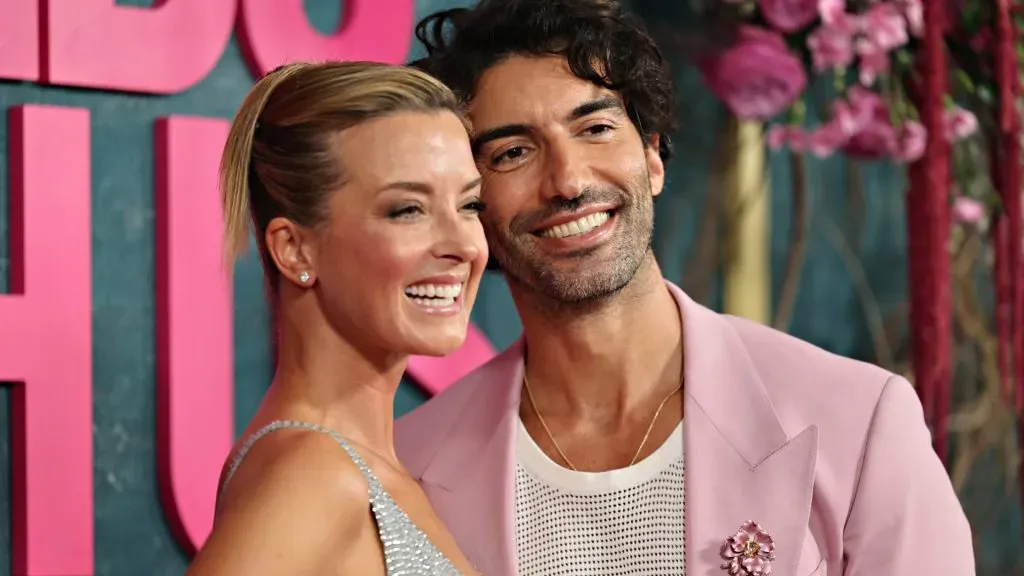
655	166
291	249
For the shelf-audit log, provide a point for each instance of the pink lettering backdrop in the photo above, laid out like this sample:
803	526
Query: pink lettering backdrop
45	322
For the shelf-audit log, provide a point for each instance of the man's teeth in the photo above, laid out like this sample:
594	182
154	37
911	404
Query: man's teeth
576	227
434	294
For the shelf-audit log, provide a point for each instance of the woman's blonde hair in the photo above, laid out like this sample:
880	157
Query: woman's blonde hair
279	159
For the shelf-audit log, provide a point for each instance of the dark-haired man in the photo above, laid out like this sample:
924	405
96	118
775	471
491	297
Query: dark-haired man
569	453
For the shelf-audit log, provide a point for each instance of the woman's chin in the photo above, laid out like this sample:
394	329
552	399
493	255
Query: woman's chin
439	346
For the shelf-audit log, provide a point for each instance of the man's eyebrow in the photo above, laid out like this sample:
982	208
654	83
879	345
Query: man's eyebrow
607	102
497	133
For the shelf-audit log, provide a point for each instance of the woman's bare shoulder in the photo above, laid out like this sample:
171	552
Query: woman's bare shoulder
292	506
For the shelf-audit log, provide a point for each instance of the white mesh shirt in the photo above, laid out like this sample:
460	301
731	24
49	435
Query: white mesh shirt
626	522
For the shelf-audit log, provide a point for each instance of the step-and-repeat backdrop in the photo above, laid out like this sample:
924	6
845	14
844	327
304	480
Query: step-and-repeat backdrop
129	360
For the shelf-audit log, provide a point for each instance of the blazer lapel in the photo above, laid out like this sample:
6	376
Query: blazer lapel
471	480
740	463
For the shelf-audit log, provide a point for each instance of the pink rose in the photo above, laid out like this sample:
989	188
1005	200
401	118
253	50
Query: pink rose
885	26
849	117
913	10
873	61
910	142
757	77
789	15
860	126
967	210
857	110
830	10
831	44
884	29
824	140
959	123
876	137
779	136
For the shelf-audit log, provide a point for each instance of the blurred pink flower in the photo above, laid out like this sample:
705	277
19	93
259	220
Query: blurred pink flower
967	210
911	139
757	77
749	552
830	10
824	140
849	116
780	135
877	138
856	110
884	29
831	44
959	123
860	126
913	11
885	26
873	61
789	15
864	121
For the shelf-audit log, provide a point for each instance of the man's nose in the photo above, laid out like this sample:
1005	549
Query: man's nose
568	174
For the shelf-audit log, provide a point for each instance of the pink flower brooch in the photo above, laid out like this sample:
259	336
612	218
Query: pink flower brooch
749	552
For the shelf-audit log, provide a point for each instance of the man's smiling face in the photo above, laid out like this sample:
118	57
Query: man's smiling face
568	181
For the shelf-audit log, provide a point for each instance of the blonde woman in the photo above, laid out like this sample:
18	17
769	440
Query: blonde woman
361	186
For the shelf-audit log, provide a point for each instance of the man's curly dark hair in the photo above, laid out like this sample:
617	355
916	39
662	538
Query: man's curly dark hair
600	41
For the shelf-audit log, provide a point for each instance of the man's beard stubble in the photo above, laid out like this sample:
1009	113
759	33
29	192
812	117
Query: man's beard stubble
591	279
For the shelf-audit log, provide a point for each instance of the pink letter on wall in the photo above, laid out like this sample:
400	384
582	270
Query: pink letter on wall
46	342
194	326
161	50
19	40
276	32
436	374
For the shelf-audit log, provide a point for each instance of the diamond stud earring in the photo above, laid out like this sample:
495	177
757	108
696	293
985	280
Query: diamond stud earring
303	276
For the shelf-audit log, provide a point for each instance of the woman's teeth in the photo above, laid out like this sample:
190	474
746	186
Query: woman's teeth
434	294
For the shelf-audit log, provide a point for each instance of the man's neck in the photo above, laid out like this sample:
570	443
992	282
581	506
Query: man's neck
601	361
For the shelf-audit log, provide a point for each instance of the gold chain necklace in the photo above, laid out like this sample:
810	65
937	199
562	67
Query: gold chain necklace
533	404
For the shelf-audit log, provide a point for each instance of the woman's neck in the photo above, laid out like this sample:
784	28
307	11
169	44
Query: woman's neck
325	379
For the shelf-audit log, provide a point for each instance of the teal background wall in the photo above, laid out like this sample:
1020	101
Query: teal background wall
131	536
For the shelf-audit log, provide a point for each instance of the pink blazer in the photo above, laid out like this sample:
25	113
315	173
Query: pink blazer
829	455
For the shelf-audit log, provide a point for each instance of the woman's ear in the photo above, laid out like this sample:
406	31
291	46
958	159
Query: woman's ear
290	247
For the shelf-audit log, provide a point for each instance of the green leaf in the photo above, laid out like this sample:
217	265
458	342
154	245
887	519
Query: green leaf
798	112
963	79
839	79
985	95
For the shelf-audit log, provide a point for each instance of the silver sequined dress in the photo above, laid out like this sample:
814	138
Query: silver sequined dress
407	551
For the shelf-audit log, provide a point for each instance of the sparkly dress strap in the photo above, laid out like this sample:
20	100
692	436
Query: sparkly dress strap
407	550
371	478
